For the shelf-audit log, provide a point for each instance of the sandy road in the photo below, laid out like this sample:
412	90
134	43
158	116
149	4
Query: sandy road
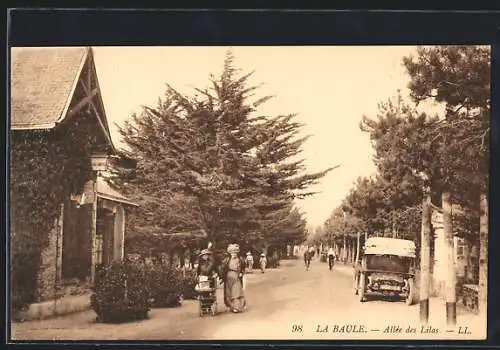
284	303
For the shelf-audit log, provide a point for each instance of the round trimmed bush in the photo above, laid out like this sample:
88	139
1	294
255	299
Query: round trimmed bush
121	293
189	283
167	286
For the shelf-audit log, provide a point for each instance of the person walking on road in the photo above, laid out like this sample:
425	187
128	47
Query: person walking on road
263	262
308	257
331	258
232	272
206	267
249	261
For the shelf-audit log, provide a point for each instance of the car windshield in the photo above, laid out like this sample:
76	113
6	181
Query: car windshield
392	263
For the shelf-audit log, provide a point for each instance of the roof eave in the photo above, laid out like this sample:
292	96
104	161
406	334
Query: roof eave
46	126
115	199
65	110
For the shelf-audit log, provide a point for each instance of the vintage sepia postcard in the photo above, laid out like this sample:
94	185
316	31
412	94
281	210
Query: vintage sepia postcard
249	192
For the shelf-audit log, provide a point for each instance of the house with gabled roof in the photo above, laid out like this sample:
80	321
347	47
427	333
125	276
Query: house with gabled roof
56	98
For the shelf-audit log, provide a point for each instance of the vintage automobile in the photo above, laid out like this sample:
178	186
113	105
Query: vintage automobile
386	268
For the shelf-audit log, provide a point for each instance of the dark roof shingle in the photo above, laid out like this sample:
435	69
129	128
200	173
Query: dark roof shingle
42	80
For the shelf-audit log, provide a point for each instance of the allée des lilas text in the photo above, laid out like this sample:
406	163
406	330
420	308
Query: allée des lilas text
358	328
394	329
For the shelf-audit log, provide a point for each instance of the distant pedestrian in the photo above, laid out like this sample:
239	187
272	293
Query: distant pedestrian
307	258
331	258
312	251
263	262
249	262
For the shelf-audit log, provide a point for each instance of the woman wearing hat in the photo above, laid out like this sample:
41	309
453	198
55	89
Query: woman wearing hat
206	266
232	271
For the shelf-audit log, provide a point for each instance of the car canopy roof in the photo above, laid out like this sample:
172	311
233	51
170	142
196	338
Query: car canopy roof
389	246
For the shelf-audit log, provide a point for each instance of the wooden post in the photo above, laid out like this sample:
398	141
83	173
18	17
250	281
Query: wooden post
94	228
425	254
124	217
118	232
483	253
451	278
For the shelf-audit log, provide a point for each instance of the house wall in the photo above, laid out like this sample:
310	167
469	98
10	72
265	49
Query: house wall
51	262
77	249
55	254
77	241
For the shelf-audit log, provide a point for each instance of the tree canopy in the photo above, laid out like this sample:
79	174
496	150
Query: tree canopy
448	151
211	162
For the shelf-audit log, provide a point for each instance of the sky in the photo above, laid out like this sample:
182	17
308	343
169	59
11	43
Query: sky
329	87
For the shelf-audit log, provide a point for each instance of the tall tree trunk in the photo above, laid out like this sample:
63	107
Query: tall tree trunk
358	238
425	254
349	250
483	253
344	250
451	274
265	248
467	259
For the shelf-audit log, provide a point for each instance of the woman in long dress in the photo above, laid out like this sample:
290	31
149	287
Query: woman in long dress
206	267
232	271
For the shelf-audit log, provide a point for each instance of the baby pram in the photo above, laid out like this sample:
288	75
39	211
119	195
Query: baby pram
207	295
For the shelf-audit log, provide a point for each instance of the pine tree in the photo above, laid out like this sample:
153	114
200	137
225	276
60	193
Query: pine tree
219	166
459	77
